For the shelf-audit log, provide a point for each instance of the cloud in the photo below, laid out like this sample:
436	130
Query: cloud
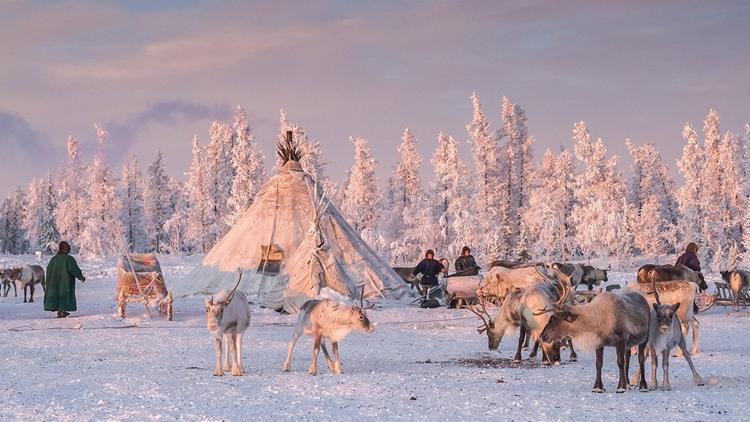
193	53
17	134
26	151
166	113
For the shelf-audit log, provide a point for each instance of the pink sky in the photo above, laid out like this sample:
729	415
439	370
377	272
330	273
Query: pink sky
157	72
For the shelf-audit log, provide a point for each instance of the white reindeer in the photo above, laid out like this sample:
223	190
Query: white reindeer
26	277
228	318
665	333
327	319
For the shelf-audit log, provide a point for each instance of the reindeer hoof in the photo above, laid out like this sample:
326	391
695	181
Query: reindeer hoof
31	301
312	371
666	388
218	373
236	372
598	390
516	361
573	359
699	382
621	390
643	389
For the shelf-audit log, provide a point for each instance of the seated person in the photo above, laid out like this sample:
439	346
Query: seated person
465	264
429	267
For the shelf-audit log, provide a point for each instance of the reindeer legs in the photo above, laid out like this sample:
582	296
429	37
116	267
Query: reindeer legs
218	372
598	386
622	384
534	350
31	287
329	361
694	347
337	367
228	341
697	379
521	338
526	341
233	345
573	355
290	349
238	349
313	369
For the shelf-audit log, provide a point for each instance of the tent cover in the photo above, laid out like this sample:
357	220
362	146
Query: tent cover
289	244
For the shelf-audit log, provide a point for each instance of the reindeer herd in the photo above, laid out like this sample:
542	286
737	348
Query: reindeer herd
648	318
652	316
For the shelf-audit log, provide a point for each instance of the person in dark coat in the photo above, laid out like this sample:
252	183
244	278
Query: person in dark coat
429	267
465	264
62	272
690	258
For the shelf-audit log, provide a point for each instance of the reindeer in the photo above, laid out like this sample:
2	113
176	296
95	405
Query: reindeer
664	334
659	273
519	310
500	281
327	319
619	320
228	317
26	277
737	281
670	293
5	282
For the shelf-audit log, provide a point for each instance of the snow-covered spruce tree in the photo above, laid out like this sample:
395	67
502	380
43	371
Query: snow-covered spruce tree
360	198
14	239
247	160
156	203
517	143
361	193
133	213
598	194
491	205
197	201
218	176
689	196
175	227
451	220
650	195
403	201
547	218
711	192
734	202
39	222
103	233
71	193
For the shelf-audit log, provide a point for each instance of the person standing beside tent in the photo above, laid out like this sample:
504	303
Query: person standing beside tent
62	272
429	267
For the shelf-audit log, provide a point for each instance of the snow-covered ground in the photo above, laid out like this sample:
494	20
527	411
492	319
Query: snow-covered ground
418	365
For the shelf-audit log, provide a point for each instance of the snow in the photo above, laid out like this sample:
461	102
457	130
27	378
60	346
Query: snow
419	364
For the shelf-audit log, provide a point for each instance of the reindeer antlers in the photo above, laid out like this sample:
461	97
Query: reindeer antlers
480	310
564	292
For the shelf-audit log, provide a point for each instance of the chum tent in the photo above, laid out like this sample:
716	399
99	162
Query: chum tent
291	243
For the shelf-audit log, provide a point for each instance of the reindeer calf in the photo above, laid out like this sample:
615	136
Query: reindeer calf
228	318
327	319
665	333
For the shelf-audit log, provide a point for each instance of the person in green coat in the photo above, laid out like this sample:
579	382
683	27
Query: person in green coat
62	272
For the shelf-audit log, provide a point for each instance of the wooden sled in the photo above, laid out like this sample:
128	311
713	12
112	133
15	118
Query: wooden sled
147	288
